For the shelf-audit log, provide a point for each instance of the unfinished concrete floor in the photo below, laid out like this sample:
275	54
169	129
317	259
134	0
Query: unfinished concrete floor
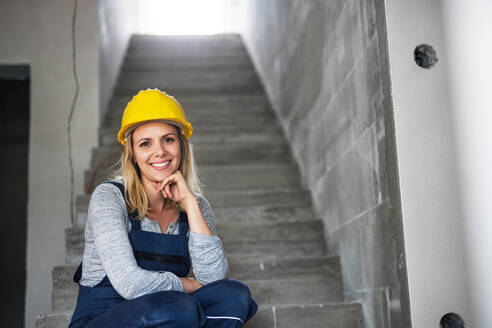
272	238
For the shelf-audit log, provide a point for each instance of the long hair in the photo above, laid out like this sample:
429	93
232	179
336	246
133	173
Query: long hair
135	197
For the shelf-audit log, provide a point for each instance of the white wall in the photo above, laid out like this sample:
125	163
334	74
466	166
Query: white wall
426	149
118	21
39	33
470	50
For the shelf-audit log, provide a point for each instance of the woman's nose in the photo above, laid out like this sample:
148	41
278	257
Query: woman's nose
161	150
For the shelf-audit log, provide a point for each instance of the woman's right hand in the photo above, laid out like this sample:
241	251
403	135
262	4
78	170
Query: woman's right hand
190	285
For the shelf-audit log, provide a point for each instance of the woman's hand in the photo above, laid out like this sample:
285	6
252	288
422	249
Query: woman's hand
175	188
190	285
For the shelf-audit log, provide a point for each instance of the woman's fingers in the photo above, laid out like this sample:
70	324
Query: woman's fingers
168	192
174	187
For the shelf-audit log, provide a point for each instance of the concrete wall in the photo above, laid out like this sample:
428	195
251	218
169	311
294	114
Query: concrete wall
324	67
428	174
118	20
39	34
466	24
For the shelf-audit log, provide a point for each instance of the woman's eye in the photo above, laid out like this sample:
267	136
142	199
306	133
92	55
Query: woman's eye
168	139
145	144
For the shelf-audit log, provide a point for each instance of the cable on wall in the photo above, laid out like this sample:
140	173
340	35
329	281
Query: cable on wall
70	116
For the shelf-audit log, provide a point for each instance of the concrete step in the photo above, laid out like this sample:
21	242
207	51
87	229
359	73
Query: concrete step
189	52
54	320
330	315
265	292
269	134
244	240
240	215
215	152
268	200
270	249
306	267
143	62
217	104
295	291
231	177
211	116
263	214
107	134
236	123
176	77
211	84
261	197
311	230
63	288
184	49
258	233
274	249
253	176
241	250
216	40
190	83
185	90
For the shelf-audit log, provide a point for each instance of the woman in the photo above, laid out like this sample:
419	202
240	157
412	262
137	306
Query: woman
145	231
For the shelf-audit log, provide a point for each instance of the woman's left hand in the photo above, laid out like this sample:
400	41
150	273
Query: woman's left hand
175	188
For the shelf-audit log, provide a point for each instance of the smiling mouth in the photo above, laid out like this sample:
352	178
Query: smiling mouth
161	166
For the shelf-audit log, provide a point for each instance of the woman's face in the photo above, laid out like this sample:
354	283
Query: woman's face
156	150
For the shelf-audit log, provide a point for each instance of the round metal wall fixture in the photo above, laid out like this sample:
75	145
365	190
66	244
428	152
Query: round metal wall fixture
425	56
451	320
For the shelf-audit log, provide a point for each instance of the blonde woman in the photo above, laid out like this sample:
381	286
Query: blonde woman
145	231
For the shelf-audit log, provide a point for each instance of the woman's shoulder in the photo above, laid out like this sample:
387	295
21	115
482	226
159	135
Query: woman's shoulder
109	187
107	193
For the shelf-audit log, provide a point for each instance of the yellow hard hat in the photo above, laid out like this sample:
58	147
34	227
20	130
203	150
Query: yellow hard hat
153	105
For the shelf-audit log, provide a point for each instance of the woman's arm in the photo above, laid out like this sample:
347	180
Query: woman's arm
206	252
108	219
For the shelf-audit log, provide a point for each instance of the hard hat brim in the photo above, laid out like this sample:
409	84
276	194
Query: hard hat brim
185	127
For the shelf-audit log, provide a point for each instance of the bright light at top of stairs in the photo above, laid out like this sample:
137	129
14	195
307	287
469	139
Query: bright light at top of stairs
187	17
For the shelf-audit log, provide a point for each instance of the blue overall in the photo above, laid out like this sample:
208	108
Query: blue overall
220	304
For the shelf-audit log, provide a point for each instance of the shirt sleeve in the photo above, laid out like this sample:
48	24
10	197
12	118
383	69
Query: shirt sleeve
206	252
108	216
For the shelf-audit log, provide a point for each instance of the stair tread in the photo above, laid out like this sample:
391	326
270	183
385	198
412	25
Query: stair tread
265	292
296	197
325	315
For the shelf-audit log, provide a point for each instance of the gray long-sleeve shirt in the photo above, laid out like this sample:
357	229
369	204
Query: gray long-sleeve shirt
107	249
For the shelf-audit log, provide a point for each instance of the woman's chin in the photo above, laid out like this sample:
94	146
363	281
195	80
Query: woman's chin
158	177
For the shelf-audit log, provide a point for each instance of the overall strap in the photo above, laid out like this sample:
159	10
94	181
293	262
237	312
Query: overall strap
120	186
183	223
136	224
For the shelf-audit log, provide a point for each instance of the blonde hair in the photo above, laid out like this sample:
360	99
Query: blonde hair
135	196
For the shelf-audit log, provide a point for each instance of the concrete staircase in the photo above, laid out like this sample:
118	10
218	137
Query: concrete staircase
272	238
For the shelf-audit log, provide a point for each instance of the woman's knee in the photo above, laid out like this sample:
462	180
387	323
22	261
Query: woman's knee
238	293
173	307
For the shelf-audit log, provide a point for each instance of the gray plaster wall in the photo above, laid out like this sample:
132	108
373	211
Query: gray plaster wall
324	66
38	33
118	20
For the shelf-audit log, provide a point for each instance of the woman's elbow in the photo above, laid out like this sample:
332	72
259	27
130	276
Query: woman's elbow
213	273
